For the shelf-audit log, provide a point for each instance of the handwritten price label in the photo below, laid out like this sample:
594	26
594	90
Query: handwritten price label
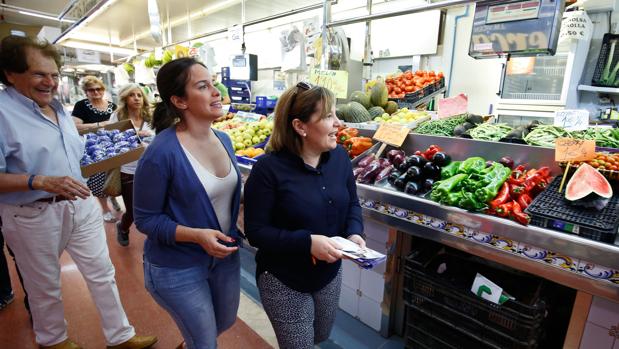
392	134
572	120
334	80
570	149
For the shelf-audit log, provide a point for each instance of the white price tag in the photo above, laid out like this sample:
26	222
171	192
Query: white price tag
575	25
572	120
486	289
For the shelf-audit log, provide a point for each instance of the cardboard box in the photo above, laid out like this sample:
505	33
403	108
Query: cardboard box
115	161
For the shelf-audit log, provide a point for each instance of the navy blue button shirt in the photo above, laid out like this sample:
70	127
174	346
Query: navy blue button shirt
286	201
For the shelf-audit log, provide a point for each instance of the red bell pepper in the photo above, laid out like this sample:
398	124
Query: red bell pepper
524	200
502	197
505	209
520	216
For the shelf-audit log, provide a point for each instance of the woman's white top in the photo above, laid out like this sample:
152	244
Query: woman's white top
130	167
220	190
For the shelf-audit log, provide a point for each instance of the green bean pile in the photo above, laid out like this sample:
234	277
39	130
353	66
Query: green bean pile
545	135
441	127
490	132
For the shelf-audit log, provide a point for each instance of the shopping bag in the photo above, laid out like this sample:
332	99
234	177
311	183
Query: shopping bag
112	186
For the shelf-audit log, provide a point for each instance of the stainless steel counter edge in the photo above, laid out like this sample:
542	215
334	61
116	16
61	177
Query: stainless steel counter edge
558	242
580	282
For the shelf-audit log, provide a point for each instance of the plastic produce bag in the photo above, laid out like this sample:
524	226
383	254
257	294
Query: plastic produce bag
293	50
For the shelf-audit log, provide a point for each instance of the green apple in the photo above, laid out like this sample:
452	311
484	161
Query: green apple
239	146
247	142
256	139
262	138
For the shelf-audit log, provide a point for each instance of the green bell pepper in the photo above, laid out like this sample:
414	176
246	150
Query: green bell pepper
450	170
496	179
453	199
446	186
470	202
472	165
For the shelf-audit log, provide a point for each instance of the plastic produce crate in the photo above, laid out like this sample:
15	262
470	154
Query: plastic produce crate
410	99
605	54
551	210
425	330
447	296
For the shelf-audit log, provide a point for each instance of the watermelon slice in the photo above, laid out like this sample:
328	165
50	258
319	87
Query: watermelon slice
586	181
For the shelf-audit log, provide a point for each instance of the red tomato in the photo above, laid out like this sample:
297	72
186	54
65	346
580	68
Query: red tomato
409	88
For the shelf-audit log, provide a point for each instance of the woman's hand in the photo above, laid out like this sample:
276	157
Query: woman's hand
325	249
145	133
208	239
357	239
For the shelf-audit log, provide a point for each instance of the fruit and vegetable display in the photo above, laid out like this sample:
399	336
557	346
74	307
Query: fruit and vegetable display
604	162
398	85
250	152
545	135
517	192
355	145
373	106
402	116
414	174
490	132
443	127
105	144
245	134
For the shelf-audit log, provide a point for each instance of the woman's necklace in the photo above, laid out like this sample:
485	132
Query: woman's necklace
92	108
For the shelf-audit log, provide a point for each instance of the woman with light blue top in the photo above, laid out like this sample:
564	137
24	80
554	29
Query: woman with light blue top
186	201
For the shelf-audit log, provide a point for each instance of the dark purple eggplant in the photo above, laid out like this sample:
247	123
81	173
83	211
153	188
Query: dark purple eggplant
384	162
412	188
393	176
384	173
366	160
418	160
441	159
507	162
430	170
406	164
400	182
413	173
398	160
391	154
427	184
356	171
369	173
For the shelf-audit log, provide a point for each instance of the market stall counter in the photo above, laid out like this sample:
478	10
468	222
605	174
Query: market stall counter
564	258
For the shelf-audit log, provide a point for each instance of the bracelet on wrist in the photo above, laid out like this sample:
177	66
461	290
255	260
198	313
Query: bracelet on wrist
30	182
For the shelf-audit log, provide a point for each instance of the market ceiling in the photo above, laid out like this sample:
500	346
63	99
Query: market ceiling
121	22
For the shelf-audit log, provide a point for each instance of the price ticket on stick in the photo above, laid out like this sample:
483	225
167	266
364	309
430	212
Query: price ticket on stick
390	133
570	149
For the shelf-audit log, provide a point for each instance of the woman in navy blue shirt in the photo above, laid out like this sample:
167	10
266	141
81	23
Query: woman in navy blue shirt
296	197
187	193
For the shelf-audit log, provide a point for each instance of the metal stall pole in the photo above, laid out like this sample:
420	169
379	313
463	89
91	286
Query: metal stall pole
326	17
368	60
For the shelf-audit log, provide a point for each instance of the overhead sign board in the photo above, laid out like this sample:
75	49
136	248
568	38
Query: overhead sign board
515	28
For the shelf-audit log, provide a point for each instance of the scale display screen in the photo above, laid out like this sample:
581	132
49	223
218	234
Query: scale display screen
516	28
239	62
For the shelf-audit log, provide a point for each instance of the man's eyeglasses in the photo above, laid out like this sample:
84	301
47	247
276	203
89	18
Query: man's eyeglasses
95	89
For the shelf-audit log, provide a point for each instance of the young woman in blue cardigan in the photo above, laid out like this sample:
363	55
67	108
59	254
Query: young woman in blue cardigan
296	197
187	197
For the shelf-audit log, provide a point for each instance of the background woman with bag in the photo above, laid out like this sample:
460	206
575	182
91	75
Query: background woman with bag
132	105
95	111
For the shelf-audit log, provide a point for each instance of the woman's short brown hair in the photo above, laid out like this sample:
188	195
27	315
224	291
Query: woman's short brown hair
13	54
90	80
299	102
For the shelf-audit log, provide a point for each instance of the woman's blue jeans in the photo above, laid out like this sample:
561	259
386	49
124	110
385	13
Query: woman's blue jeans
202	300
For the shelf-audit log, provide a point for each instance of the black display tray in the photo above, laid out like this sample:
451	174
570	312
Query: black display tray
551	210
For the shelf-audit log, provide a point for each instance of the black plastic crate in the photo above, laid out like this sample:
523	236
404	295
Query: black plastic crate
603	57
431	331
410	99
449	292
522	336
551	210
